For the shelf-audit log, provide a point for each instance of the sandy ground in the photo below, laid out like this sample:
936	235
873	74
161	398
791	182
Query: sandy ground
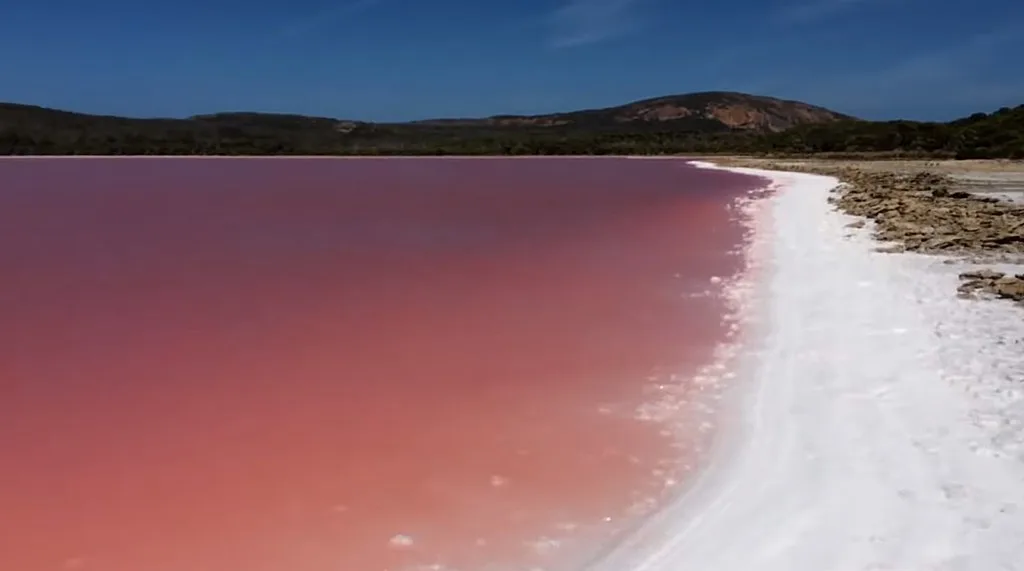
884	425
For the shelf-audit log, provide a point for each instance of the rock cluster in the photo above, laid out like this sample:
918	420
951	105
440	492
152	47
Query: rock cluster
994	283
924	213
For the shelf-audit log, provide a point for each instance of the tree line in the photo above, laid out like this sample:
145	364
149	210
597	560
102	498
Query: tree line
980	136
28	130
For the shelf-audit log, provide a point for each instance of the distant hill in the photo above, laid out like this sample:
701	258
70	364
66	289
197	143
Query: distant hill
706	111
678	124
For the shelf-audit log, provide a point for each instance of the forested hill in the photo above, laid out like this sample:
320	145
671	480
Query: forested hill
25	129
693	123
995	135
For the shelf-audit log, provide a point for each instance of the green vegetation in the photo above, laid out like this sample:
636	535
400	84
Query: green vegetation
980	136
623	130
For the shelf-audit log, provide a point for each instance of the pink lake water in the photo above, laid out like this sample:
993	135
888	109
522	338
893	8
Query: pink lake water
333	365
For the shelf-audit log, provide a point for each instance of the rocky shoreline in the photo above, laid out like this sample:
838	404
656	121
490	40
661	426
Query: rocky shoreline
930	213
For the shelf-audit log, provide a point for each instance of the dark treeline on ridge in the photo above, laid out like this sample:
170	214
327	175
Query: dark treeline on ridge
980	136
695	123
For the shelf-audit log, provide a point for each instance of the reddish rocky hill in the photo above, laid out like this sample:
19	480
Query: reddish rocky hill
706	111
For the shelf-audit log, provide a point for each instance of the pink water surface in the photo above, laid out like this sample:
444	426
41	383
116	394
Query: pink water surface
313	365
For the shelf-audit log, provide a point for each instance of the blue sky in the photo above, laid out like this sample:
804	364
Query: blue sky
409	59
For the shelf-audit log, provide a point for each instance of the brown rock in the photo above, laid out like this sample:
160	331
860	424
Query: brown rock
921	212
985	274
1010	288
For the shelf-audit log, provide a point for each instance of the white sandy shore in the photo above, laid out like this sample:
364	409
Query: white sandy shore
885	426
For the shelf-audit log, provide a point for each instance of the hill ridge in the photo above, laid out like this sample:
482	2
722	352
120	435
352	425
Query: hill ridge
671	107
702	122
732	109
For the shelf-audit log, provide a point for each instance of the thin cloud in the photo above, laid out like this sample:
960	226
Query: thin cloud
584	22
322	18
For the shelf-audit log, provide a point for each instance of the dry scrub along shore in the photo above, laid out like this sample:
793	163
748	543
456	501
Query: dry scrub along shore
970	211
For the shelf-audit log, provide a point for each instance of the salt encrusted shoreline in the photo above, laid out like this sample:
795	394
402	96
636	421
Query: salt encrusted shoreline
884	428
917	208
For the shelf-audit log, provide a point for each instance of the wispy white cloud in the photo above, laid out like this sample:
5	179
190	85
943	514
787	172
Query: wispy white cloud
583	22
325	17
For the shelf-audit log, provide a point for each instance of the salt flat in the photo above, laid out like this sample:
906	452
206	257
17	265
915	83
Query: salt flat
883	427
